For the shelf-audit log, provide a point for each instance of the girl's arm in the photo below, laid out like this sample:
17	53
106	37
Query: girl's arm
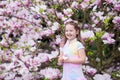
81	58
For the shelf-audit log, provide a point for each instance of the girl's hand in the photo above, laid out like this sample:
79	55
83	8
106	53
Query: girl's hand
65	57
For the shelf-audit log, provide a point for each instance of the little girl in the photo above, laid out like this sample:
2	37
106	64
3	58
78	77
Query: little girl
72	53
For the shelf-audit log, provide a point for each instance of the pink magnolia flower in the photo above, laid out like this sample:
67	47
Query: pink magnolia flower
107	35
28	76
49	23
23	14
86	0
17	78
55	26
60	15
87	26
87	34
18	52
100	15
53	54
89	70
61	1
31	42
116	20
46	32
43	57
34	63
10	76
97	2
23	70
58	39
50	73
14	6
68	12
3	43
107	38
74	4
83	5
102	77
26	2
109	1
117	7
109	41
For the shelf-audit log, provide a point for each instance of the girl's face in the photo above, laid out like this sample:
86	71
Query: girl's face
70	32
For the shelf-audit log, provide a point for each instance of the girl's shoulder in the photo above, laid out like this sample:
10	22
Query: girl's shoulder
79	44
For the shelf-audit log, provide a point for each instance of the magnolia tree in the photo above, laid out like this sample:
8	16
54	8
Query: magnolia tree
30	32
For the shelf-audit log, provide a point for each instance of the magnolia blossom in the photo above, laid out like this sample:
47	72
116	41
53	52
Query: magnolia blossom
58	39
31	42
33	49
53	54
28	76
14	6
55	26
90	70
83	5
87	34
102	77
117	7
44	7
109	1
116	20
107	38
61	1
10	76
26	2
86	0
100	15
17	78
68	12
46	32
95	20
3	43
50	73
97	2
97	29
60	15
37	8
87	26
43	57
109	41
94	8
49	23
18	52
74	4
34	63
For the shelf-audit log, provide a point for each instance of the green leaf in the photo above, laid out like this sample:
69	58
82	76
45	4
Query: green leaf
99	34
90	53
55	6
41	10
